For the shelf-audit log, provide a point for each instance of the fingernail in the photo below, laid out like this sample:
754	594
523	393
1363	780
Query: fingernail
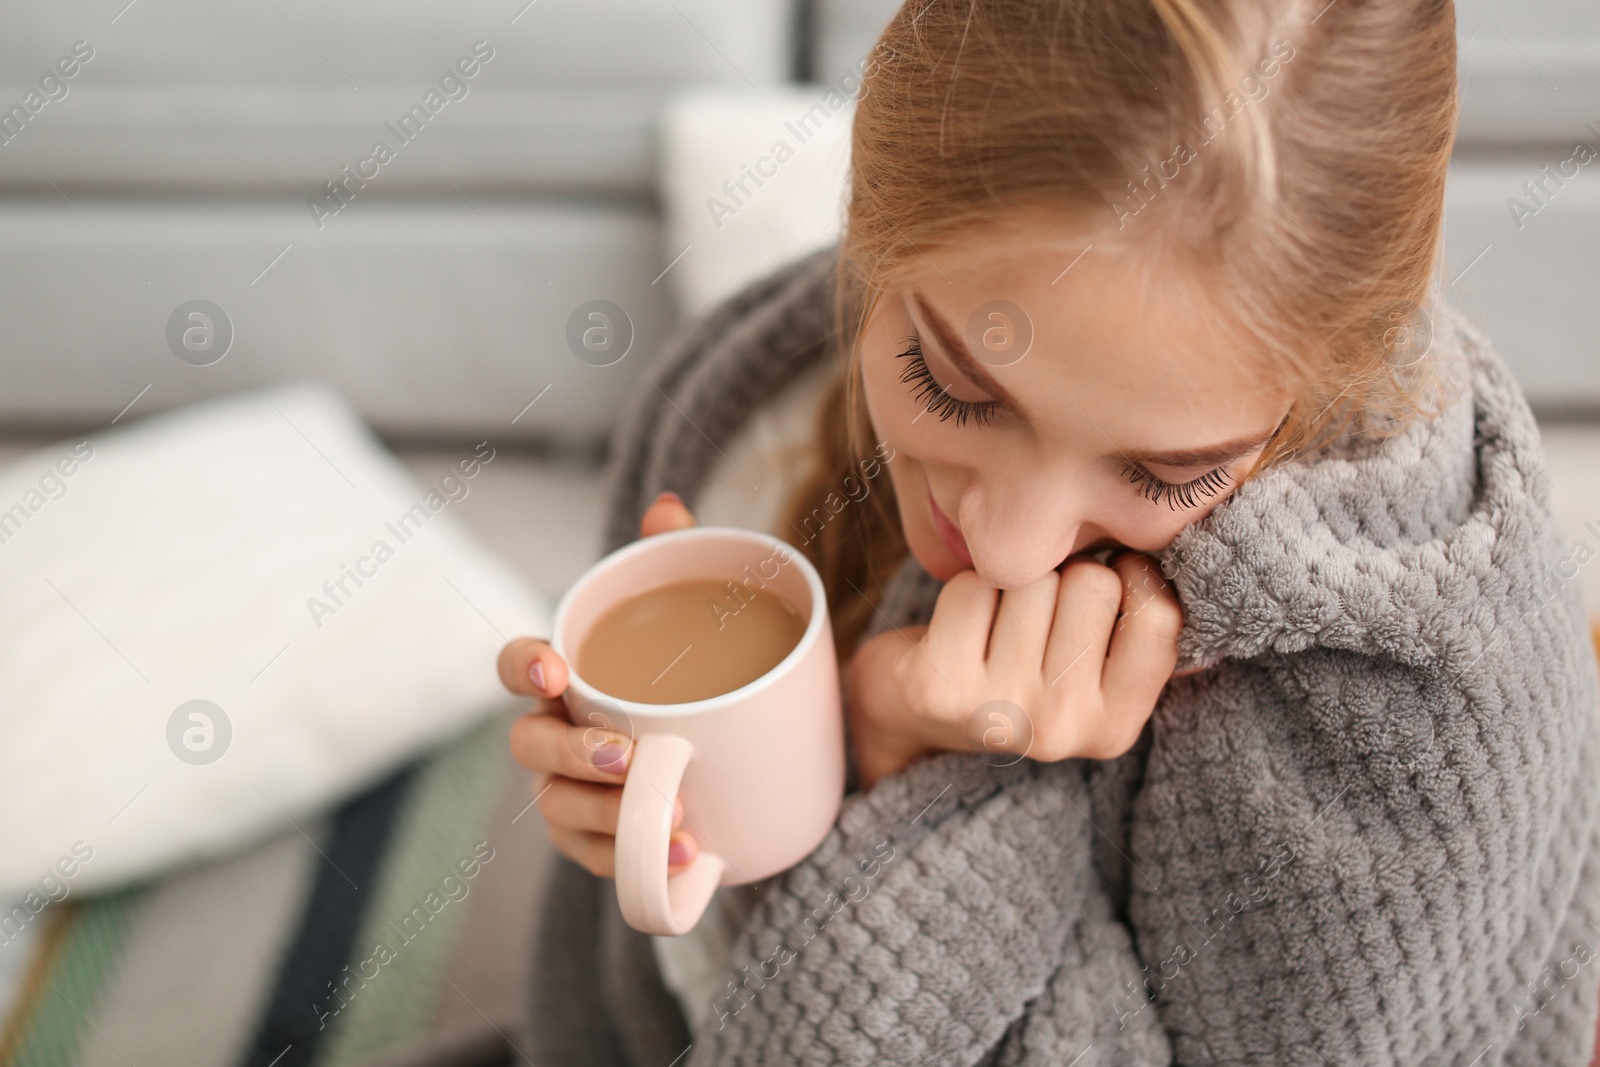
677	852
536	674
610	757
668	494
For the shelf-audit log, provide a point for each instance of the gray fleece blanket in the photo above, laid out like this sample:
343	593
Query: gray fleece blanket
1366	834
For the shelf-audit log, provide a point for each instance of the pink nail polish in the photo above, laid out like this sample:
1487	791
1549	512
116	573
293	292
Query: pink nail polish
610	757
536	674
668	494
677	852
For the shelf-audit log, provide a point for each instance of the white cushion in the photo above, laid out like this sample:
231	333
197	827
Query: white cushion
728	236
184	559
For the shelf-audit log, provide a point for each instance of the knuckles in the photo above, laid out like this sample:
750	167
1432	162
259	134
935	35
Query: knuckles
1115	741
1054	745
963	583
519	742
1072	723
1079	728
966	591
1088	582
1162	616
929	693
1151	597
531	747
562	798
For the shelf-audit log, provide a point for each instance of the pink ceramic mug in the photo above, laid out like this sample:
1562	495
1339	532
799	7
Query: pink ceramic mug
760	769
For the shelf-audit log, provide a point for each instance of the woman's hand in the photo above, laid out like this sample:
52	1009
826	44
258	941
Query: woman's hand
581	767
1069	666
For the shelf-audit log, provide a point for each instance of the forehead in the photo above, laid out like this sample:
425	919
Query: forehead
1106	324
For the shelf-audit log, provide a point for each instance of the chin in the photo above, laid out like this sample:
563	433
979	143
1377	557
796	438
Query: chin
942	569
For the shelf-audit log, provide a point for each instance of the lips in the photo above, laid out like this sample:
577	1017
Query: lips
949	533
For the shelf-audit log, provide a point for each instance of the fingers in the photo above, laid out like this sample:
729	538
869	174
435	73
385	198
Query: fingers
546	741
1022	626
598	852
586	806
582	823
668	512
1144	646
529	666
958	631
1085	612
580	806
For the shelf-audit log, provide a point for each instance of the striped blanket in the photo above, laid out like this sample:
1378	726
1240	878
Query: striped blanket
394	931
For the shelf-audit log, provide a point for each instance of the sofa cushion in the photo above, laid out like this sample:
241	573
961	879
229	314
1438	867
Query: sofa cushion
222	621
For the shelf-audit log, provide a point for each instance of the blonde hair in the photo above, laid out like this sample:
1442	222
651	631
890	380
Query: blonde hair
1295	155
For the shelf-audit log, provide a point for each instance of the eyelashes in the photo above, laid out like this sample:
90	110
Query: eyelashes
1186	495
926	389
932	395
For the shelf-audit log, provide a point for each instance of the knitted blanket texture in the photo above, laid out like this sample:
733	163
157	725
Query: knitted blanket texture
1366	833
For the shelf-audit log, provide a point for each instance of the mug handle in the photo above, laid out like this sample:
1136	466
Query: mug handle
651	901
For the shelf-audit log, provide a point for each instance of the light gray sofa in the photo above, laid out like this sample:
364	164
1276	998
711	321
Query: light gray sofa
180	164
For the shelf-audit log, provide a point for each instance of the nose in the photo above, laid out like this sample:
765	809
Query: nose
1016	535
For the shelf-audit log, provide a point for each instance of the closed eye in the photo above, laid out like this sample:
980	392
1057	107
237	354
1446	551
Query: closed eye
1185	494
925	387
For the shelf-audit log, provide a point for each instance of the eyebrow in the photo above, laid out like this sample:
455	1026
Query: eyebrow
960	355
1209	456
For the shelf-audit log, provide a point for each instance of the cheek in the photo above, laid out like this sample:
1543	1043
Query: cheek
1147	528
889	403
1136	522
890	423
905	471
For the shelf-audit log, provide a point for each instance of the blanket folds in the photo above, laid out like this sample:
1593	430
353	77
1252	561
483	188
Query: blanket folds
1367	833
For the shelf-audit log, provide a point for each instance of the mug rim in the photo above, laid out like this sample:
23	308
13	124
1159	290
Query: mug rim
802	648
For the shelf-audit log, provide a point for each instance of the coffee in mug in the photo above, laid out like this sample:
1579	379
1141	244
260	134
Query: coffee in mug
688	640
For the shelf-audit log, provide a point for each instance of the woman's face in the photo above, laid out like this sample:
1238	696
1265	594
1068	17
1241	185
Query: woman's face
1130	415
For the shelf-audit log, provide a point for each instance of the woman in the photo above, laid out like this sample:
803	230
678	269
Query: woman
1197	500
